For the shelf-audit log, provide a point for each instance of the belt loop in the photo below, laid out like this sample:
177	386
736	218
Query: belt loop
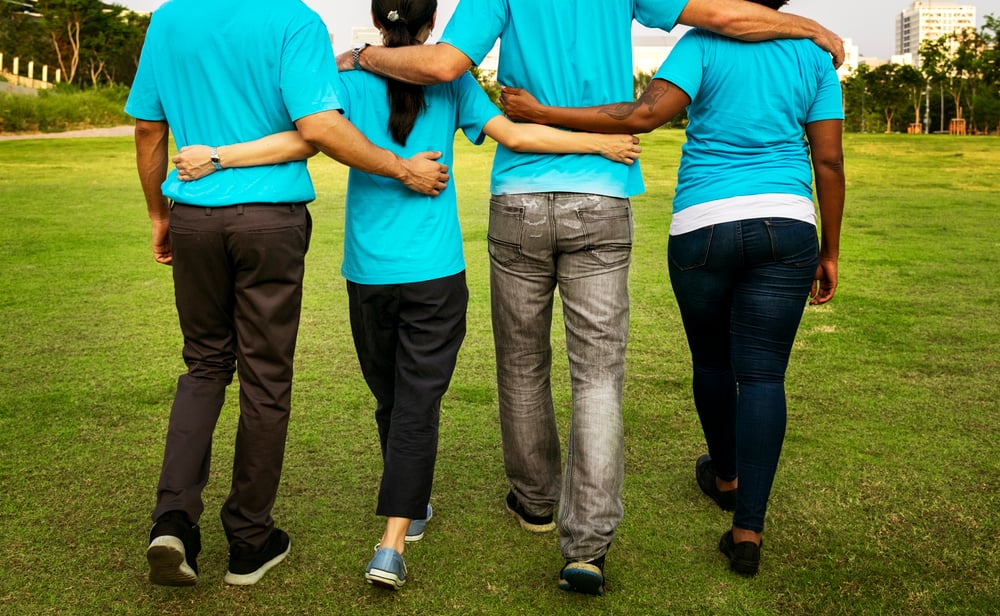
208	211
291	208
239	210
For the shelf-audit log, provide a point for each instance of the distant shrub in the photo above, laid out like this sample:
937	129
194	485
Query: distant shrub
63	108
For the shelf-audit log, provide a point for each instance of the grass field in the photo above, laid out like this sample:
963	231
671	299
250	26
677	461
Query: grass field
886	496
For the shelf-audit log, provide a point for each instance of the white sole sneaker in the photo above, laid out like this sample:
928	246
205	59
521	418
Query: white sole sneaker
247	579
167	563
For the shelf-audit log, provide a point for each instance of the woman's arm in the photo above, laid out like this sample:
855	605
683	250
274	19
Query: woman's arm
538	138
657	105
828	167
194	161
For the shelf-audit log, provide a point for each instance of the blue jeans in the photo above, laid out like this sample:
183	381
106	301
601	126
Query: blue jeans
582	245
741	288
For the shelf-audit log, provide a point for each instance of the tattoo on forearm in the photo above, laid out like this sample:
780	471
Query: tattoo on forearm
652	94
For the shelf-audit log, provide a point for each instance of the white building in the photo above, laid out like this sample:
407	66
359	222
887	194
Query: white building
650	50
926	19
852	58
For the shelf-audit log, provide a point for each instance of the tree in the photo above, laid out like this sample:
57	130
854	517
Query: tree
91	35
886	91
488	82
855	89
967	60
934	65
914	84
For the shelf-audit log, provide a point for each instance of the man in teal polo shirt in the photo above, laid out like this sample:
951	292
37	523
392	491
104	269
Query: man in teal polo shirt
225	72
564	221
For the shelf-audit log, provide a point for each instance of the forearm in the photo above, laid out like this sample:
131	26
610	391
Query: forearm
538	138
827	153
336	137
747	21
151	155
419	64
272	149
614	118
830	192
658	104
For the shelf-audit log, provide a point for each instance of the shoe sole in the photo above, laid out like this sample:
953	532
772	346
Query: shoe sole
583	578
247	579
167	563
528	526
384	579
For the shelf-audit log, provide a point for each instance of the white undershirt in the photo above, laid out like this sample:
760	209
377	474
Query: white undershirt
770	205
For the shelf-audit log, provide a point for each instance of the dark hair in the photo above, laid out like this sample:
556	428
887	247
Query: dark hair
401	21
771	4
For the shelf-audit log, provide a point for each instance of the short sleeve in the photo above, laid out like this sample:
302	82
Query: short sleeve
475	26
829	102
684	66
144	98
661	14
475	108
309	70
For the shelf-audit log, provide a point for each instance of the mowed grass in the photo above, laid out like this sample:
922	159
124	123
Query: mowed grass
885	500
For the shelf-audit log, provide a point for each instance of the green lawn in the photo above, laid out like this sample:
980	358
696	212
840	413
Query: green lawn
885	500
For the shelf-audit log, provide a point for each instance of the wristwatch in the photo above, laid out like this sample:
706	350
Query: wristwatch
214	155
357	55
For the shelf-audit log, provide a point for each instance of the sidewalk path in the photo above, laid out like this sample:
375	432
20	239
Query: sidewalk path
114	131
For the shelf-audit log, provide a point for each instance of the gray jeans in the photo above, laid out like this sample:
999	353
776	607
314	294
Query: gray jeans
581	244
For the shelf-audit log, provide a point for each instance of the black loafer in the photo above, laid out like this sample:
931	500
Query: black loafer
704	472
744	557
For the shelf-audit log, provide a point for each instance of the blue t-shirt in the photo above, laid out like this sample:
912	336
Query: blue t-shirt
394	235
230	71
569	54
750	103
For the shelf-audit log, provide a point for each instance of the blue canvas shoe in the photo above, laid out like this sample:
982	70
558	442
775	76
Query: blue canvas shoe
386	569
415	532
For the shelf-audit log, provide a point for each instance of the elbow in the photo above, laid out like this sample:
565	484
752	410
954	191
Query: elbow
444	72
312	132
449	64
644	125
516	143
832	165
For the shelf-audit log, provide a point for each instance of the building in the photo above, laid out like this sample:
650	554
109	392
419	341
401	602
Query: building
926	19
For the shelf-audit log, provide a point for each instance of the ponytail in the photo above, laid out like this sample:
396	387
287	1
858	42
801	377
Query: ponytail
401	21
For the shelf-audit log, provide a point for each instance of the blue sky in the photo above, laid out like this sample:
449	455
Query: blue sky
870	23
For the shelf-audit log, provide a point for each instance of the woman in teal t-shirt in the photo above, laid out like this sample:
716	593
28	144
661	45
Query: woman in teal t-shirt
403	257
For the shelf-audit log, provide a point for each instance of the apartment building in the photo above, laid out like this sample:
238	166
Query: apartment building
927	19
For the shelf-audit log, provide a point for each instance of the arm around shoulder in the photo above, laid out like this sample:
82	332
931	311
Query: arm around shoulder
419	64
750	21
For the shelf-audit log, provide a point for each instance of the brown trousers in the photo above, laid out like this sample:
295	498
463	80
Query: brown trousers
238	288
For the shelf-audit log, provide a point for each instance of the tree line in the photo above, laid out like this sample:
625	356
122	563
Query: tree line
94	43
90	42
958	79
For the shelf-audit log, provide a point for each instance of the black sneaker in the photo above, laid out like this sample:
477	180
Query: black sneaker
583	576
174	544
531	523
704	472
744	557
247	566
